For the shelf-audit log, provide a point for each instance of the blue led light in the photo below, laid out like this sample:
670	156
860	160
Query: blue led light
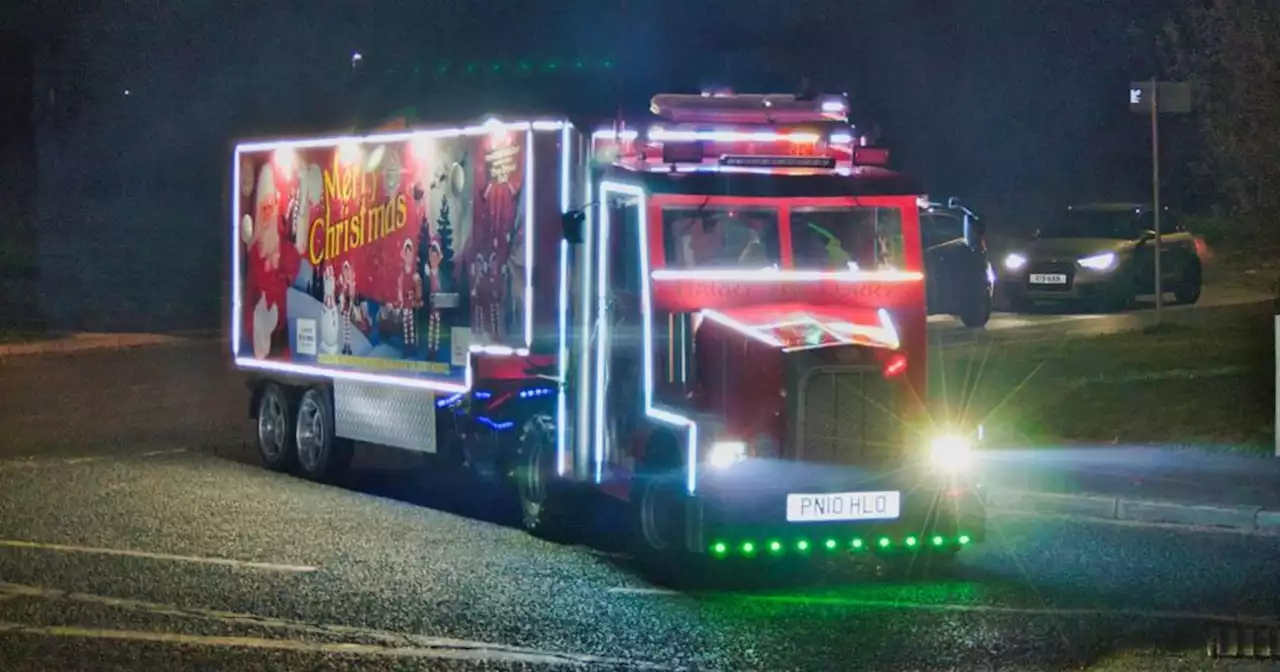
493	424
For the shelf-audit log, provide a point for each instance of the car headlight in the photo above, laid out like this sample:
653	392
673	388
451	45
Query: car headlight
1015	261
724	454
1099	262
950	453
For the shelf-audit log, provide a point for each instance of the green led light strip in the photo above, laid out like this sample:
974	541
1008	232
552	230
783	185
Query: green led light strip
749	548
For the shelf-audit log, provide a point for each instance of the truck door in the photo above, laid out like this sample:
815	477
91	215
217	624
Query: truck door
623	339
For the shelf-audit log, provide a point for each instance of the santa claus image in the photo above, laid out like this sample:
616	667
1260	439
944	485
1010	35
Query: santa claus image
409	294
272	264
329	317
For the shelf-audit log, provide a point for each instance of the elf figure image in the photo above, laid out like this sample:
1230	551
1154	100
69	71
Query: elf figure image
347	304
434	256
410	294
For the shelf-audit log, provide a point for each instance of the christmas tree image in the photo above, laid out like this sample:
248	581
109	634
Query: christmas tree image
444	233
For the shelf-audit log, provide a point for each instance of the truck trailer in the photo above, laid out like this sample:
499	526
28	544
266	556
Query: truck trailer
716	316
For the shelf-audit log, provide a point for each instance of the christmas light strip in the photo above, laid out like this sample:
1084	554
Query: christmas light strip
529	238
742	328
774	275
562	412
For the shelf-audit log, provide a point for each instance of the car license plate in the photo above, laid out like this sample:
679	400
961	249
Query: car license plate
1048	279
832	506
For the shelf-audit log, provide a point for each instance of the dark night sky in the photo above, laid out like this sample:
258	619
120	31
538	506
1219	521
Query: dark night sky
1016	105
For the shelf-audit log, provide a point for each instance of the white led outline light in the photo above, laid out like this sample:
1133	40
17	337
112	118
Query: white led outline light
742	328
611	134
659	134
498	350
237	287
528	238
602	328
787	275
646	310
584	363
562	406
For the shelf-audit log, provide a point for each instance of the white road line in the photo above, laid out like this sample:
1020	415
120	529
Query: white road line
623	590
226	562
155	453
822	601
345	648
374	642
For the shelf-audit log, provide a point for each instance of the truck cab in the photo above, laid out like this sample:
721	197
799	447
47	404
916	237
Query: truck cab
750	346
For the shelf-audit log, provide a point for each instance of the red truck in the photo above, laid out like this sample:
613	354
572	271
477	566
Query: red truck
718	317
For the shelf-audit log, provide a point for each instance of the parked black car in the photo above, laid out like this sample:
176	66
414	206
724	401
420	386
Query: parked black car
958	279
1103	254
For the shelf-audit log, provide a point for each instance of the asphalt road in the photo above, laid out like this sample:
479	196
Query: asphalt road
137	532
1222	301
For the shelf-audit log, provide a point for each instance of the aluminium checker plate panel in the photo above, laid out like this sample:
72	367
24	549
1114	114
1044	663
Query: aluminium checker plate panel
386	415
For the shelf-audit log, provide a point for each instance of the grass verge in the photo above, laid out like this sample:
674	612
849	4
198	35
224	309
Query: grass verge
1171	385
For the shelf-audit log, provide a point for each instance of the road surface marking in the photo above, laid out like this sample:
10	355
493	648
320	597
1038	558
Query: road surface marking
623	590
226	562
81	460
821	601
154	453
527	657
376	642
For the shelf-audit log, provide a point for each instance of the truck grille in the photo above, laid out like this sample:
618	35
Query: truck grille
846	416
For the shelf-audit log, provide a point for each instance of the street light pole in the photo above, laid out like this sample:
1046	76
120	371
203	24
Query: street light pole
1155	188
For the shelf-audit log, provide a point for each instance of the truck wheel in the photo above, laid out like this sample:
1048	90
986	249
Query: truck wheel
658	516
977	313
1188	289
275	428
542	510
322	456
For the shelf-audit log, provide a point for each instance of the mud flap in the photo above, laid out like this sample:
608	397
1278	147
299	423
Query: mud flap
695	540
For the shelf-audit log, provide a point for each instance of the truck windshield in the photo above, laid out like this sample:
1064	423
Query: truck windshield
858	238
720	237
1120	224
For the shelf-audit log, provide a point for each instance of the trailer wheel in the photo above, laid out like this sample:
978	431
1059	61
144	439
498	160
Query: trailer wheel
542	510
275	428
322	456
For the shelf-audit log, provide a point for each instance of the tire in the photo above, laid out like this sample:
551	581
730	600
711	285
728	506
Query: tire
978	312
321	455
541	495
1188	289
275	425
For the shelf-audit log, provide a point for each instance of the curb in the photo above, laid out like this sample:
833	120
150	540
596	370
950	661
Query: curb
1249	519
90	342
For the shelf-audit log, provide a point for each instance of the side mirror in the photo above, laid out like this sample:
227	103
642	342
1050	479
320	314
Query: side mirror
953	202
1147	236
571	226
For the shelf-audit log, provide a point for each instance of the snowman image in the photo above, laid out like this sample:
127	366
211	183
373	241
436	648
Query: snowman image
329	317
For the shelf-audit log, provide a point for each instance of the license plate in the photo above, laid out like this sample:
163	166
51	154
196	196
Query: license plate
1048	279
832	506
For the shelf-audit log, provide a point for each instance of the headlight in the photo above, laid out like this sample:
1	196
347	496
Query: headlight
1100	262
724	454
950	453
1015	261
